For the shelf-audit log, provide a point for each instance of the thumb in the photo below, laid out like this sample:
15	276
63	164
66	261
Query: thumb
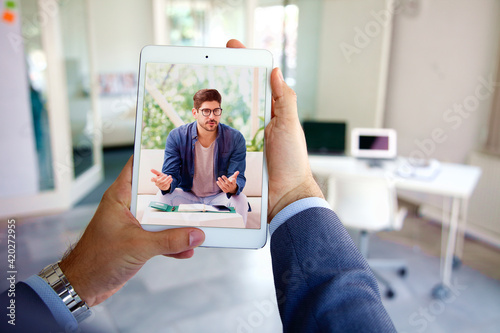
156	172
285	100
173	241
234	43
235	174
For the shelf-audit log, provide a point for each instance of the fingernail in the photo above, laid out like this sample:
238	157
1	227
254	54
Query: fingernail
196	237
280	75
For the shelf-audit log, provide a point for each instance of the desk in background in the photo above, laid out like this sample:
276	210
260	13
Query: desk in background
454	182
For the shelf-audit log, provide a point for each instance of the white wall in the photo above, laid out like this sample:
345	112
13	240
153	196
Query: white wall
19	166
120	29
309	29
437	100
440	56
348	80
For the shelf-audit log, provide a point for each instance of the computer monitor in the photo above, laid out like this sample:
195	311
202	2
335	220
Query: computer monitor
325	137
373	143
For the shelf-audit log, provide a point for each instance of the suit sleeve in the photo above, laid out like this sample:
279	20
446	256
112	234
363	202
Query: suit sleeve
323	283
28	310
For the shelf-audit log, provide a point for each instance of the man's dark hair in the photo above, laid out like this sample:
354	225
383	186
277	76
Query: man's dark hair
206	95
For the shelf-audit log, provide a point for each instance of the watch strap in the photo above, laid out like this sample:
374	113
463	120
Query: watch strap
56	279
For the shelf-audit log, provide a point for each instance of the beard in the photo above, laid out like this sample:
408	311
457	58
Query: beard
210	125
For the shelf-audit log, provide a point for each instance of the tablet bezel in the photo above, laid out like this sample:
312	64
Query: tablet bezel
214	236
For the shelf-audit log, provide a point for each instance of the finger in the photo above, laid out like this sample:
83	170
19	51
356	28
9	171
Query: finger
166	178
226	183
235	44
156	172
235	174
272	108
225	179
172	241
165	182
222	186
183	255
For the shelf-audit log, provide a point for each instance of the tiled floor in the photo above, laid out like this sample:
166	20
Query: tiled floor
221	290
426	235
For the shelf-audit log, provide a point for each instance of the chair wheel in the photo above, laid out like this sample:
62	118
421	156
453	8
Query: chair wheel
456	263
402	272
389	293
440	292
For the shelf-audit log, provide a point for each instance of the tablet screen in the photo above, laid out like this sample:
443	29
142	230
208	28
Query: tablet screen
202	138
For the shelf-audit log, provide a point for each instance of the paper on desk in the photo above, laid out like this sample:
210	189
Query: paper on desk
197	208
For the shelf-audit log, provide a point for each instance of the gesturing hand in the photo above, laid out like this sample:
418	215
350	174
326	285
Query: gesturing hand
228	185
114	246
162	181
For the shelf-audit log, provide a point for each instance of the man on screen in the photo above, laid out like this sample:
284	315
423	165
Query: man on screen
205	160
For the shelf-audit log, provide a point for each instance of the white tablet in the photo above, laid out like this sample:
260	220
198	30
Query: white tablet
199	143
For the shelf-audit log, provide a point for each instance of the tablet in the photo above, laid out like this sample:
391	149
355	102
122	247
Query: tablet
199	157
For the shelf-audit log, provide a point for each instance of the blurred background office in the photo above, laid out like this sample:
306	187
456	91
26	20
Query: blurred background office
428	69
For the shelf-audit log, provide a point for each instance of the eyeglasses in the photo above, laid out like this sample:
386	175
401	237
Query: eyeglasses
207	112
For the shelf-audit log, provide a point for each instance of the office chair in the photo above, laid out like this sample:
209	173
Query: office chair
368	204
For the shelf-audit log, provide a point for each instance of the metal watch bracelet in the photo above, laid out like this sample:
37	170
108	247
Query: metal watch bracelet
56	279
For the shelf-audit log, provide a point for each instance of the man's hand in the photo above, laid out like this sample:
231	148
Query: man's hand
162	181
114	246
228	185
290	177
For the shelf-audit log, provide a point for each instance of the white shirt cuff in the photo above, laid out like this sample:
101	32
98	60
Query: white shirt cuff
295	208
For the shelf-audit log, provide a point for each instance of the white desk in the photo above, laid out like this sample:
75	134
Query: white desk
222	220
151	216
455	182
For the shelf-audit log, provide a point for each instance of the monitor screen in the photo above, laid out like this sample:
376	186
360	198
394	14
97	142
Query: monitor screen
325	137
374	142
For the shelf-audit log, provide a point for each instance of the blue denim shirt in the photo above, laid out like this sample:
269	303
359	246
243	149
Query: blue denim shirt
229	156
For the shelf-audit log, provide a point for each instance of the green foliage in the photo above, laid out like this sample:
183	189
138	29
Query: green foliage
178	84
257	142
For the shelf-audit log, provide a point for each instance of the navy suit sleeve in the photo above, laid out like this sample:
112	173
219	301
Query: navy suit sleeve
323	283
31	313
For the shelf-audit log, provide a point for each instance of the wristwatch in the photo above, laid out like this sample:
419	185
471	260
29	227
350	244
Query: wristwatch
56	279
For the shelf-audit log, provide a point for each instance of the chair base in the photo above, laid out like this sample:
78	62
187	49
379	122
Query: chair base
398	265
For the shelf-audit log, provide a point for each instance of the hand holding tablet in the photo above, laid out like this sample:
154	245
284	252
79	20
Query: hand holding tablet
115	245
199	111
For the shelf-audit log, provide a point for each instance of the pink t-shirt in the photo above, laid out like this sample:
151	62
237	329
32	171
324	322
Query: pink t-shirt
204	183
